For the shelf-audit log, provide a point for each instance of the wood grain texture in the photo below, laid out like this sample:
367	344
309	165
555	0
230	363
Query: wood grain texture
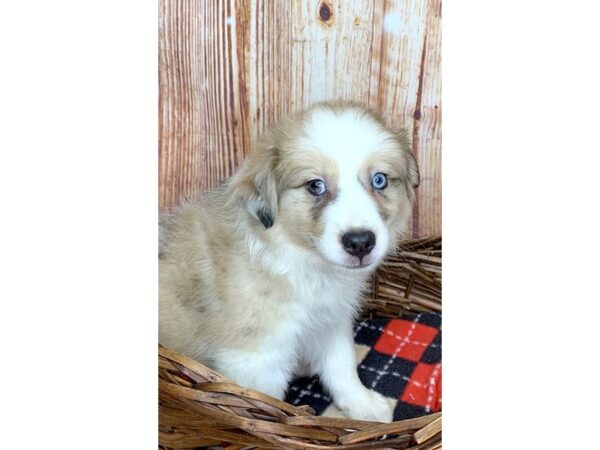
228	69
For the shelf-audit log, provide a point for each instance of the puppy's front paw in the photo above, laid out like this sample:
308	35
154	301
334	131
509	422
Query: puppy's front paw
368	405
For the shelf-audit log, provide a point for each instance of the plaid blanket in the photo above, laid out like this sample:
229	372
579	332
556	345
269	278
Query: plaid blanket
399	358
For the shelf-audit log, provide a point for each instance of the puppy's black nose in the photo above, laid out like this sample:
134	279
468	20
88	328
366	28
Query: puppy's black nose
358	243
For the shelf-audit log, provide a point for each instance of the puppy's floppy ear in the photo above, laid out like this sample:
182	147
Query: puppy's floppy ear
412	169
254	187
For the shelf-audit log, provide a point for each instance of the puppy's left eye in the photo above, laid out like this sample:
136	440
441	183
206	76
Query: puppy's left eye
379	181
316	187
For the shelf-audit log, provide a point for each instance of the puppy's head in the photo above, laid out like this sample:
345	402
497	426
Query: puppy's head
333	180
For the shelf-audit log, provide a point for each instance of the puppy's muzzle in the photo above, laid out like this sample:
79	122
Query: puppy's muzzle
358	243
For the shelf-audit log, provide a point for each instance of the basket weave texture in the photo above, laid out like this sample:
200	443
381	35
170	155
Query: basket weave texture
199	407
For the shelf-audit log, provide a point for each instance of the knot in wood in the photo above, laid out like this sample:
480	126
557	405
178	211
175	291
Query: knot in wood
325	12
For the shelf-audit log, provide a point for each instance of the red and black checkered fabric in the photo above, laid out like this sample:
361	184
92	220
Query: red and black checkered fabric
402	361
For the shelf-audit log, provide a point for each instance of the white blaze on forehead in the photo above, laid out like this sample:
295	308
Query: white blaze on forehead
348	136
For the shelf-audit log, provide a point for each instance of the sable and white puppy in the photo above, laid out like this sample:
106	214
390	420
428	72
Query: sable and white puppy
262	280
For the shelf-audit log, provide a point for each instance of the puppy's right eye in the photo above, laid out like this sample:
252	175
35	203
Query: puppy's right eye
316	187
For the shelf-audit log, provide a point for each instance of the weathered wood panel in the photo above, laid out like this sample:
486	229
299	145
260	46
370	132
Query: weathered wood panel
227	69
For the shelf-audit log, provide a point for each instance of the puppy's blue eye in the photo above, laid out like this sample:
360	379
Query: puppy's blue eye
316	187
379	181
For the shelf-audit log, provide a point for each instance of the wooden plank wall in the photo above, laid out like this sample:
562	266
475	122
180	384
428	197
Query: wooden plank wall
228	68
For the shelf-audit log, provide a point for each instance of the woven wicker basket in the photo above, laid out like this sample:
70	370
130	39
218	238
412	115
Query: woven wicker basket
199	407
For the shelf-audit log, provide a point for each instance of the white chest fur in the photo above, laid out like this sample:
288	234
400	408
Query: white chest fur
323	298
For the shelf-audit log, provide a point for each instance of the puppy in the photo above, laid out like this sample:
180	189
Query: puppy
262	280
